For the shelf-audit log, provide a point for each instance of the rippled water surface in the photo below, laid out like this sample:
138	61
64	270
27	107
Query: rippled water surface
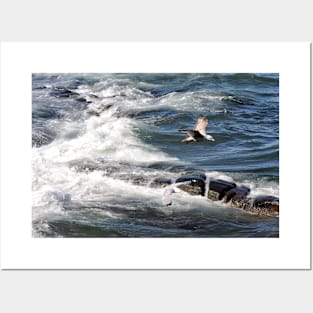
100	139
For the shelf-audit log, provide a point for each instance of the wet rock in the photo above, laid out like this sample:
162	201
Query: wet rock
134	179
218	188
196	185
265	205
197	174
213	195
85	165
261	205
237	193
241	202
190	177
193	188
238	197
160	182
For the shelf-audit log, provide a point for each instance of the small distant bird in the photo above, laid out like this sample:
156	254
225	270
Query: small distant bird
167	195
198	133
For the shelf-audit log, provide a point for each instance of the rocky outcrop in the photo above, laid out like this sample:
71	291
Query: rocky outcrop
265	205
160	182
194	188
191	177
226	191
238	197
196	185
218	188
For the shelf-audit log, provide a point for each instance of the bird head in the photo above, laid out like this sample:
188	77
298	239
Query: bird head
210	138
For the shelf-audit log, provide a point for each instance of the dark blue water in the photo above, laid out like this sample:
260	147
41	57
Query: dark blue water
100	139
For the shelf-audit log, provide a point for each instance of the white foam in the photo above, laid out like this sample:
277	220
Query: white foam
104	137
261	187
193	101
218	175
268	191
110	139
101	137
129	95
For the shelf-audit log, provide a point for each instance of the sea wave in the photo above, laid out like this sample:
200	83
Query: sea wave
100	139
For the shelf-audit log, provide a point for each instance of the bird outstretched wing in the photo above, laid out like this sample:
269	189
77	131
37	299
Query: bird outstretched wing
201	124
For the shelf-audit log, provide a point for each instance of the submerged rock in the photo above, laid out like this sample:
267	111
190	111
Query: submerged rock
194	184
218	188
134	179
85	165
160	182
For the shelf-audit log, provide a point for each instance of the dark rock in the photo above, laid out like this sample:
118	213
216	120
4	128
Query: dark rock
241	202
198	174
160	182
265	205
190	177
194	188
218	188
85	165
196	185
134	179
237	193
213	195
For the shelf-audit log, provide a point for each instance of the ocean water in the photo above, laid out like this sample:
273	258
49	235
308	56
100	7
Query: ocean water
99	140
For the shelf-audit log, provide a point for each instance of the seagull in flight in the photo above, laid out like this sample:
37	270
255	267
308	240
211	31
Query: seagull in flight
198	133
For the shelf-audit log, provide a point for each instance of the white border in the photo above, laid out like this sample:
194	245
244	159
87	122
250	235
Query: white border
290	251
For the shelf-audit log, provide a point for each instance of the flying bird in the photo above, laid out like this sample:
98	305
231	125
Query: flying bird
199	132
167	195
